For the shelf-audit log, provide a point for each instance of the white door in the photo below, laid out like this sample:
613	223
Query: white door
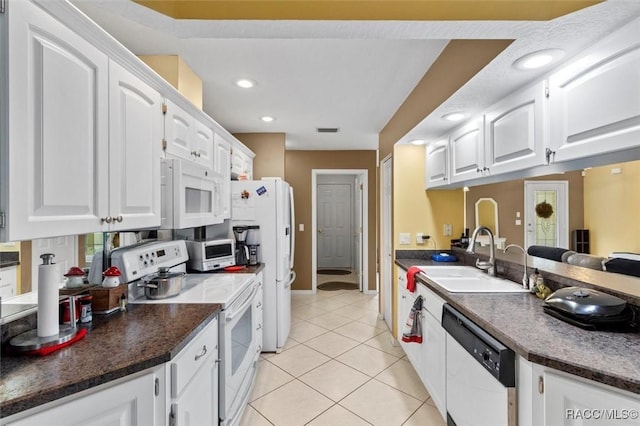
357	232
66	255
334	226
135	139
386	261
546	213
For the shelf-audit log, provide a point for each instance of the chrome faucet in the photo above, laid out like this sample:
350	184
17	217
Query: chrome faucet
525	279
489	265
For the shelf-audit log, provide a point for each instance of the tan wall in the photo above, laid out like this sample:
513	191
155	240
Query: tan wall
173	69
510	198
299	165
270	153
611	206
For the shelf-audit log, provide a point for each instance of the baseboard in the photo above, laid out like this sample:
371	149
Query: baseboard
303	292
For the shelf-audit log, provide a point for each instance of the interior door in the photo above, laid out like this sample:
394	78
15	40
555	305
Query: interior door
334	225
385	233
546	213
357	233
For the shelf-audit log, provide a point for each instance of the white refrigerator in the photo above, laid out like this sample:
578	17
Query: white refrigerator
268	203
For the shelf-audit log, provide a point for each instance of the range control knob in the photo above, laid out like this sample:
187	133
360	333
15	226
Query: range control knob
486	355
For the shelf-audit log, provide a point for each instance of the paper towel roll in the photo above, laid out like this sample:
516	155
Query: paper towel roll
48	310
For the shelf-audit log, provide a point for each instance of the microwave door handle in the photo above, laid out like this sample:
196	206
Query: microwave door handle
248	301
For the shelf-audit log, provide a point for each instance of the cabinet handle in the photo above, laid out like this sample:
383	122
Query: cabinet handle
202	353
540	384
107	219
485	170
118	219
157	386
259	327
478	170
259	304
259	349
548	153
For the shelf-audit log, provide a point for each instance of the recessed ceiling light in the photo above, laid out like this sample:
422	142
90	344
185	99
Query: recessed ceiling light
267	118
417	142
454	116
538	59
245	83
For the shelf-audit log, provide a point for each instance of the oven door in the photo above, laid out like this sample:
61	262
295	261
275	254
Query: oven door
239	352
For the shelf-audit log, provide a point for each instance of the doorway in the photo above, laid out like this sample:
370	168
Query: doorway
339	224
546	213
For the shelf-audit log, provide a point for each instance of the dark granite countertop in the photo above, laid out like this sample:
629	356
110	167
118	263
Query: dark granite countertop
123	343
518	321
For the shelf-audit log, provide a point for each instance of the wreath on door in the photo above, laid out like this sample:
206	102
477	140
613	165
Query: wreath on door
544	210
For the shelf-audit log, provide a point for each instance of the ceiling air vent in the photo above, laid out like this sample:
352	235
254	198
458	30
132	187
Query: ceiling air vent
328	130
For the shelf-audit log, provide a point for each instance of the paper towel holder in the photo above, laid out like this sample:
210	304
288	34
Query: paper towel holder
30	341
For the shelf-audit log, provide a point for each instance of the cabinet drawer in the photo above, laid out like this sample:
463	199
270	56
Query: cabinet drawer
192	357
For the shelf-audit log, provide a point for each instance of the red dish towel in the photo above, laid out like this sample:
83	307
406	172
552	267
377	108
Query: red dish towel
411	278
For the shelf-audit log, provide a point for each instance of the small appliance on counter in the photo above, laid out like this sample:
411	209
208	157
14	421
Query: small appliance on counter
209	255
589	309
242	249
253	243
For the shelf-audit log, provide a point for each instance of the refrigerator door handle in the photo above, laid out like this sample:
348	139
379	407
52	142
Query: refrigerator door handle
292	278
293	230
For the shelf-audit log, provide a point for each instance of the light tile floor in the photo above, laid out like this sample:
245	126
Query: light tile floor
338	367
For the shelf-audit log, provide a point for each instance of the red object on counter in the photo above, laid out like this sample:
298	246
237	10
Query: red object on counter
112	271
411	278
49	349
235	268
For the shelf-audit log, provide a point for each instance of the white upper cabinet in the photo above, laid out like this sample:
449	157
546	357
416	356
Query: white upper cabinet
135	140
187	138
437	164
595	101
241	163
467	151
515	131
222	166
57	107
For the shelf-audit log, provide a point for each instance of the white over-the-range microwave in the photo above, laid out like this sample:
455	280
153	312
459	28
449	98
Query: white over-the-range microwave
191	195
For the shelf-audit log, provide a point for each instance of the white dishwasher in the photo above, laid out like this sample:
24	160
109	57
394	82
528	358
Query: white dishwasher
480	375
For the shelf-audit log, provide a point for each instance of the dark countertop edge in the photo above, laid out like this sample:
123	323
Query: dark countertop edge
619	382
9	264
29	401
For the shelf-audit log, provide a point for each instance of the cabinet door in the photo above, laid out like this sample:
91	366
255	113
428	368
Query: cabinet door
203	145
405	303
133	402
595	101
58	128
198	404
134	151
179	132
569	401
515	131
222	165
437	164
467	151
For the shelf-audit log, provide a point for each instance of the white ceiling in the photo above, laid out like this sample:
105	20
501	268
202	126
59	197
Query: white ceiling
352	75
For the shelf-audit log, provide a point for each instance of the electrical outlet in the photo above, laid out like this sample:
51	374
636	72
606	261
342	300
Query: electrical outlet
447	230
405	238
419	238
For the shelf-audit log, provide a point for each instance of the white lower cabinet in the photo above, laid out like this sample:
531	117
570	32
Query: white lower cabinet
428	358
194	381
138	401
550	397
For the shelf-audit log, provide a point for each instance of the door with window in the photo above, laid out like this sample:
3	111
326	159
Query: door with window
546	213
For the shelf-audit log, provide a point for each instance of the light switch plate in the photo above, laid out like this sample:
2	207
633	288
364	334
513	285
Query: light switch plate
301	227
518	222
405	238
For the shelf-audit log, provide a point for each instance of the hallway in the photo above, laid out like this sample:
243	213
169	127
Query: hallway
338	368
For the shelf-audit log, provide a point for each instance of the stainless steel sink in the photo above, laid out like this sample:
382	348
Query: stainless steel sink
467	279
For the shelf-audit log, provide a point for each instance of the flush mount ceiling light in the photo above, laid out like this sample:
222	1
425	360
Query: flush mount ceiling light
417	142
245	83
538	59
267	118
454	116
